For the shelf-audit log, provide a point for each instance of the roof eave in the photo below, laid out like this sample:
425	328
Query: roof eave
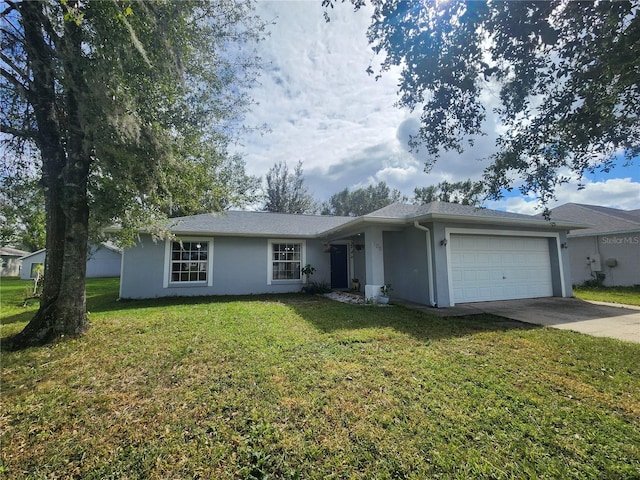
355	224
600	234
521	222
308	236
32	254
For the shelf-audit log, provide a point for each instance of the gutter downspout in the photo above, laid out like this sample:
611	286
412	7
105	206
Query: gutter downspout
429	261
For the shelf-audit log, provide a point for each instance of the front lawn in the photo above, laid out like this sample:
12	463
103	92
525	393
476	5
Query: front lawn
625	295
300	386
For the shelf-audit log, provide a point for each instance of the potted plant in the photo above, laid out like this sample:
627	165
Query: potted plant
308	270
383	298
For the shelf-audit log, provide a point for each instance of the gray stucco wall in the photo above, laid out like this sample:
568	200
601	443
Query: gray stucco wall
405	265
25	271
359	265
10	266
240	267
103	262
623	248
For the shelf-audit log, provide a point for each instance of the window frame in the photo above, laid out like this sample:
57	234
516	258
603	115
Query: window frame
168	260
303	260
34	266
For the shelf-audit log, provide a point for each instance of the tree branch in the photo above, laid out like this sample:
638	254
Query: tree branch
14	67
11	6
14	81
16	132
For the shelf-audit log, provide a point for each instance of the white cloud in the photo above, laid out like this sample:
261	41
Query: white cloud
623	193
324	109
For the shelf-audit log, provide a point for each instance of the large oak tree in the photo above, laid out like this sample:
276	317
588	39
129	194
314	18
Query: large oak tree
130	106
563	75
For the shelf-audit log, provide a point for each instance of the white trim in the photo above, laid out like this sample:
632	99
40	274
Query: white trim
166	283
507	233
167	262
32	254
430	277
303	260
121	274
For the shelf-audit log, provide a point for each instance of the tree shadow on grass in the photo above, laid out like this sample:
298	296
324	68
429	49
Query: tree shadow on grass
326	315
333	317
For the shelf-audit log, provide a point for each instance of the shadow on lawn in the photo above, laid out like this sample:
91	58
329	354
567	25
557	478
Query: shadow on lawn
324	314
418	324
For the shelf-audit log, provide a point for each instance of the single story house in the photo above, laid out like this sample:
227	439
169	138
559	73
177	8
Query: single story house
103	260
437	254
607	251
11	261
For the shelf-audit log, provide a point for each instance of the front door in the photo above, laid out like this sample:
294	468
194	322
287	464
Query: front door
339	266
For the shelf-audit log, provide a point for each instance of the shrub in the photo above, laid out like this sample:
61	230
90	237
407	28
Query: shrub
318	287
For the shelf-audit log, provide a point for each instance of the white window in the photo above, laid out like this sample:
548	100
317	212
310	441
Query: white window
189	262
286	259
35	267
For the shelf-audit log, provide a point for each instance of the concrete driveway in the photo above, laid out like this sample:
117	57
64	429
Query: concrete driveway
593	318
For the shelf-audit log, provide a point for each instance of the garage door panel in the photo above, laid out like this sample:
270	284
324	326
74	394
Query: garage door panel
488	267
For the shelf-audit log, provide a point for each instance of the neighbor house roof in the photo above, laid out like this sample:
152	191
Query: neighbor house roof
107	245
601	220
12	252
403	214
29	255
256	224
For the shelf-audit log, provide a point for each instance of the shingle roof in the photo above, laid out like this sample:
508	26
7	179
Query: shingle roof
256	224
405	211
603	220
29	255
262	224
404	214
12	252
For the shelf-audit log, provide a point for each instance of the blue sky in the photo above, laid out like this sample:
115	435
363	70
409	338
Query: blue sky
323	108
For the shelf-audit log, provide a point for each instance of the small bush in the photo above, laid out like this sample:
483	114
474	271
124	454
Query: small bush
596	281
315	288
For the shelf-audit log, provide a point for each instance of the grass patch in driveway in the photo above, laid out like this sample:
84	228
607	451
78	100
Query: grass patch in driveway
624	295
302	387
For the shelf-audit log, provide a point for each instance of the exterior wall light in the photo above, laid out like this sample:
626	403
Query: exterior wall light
443	242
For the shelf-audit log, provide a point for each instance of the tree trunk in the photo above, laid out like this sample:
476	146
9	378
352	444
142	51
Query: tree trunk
65	167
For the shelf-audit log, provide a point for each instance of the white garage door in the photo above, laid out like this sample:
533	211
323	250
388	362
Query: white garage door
486	267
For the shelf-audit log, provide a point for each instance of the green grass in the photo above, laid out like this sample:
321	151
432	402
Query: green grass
625	295
302	387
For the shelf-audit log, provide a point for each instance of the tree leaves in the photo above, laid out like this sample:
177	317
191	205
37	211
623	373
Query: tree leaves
286	192
361	201
164	88
566	76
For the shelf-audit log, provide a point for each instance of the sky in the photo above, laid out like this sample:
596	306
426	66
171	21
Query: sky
321	107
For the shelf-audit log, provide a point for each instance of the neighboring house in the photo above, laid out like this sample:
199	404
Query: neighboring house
608	249
438	254
102	261
11	261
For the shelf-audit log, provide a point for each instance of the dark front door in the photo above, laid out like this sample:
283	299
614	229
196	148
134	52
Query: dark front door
339	267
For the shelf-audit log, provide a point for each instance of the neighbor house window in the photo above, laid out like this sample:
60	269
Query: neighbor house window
189	262
35	267
286	259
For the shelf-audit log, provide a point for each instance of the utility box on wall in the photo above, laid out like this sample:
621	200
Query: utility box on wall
594	262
